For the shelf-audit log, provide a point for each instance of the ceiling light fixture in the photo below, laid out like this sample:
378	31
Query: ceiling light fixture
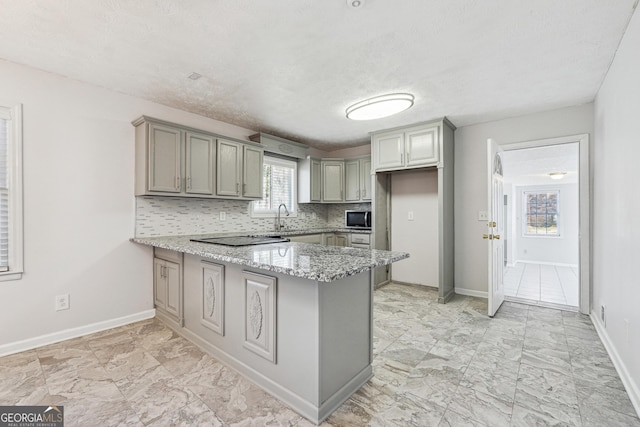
355	4
380	106
557	175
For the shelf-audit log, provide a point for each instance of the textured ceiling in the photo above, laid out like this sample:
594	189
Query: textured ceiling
532	166
291	67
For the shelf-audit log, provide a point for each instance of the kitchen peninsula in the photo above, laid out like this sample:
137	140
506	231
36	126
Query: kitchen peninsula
295	318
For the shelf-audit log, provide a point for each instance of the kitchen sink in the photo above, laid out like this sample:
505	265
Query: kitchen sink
242	240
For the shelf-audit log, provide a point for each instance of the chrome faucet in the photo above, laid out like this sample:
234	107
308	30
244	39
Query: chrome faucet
279	225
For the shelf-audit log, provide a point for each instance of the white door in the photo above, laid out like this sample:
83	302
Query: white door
495	226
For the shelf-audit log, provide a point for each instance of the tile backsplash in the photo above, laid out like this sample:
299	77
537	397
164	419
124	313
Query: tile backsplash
170	216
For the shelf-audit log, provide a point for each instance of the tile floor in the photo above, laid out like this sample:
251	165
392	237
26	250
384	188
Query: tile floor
542	283
435	365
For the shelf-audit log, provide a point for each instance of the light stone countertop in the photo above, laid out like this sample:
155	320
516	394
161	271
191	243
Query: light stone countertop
306	260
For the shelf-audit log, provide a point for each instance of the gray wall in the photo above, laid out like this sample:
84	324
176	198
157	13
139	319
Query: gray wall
616	208
471	182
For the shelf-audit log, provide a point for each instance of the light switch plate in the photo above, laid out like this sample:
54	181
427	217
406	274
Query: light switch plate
410	216
483	216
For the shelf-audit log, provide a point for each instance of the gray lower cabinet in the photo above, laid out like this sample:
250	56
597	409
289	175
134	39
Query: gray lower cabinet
362	241
337	239
167	285
307	238
281	331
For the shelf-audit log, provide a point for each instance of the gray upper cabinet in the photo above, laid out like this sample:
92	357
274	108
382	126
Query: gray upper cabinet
406	148
199	165
309	180
365	179
352	180
174	160
333	181
164	150
252	164
239	170
229	168
421	146
388	151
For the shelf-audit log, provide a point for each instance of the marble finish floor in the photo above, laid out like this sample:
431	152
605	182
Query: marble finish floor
435	365
544	283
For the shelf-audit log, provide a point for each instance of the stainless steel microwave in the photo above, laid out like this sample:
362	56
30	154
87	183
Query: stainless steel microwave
357	219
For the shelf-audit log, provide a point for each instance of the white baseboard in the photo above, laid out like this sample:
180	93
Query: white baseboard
471	292
633	390
42	340
557	264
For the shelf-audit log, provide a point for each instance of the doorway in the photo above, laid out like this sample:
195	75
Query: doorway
546	222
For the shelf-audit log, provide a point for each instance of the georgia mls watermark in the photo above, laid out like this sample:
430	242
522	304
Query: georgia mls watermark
31	416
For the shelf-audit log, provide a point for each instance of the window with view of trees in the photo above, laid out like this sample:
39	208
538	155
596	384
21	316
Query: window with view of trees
278	186
541	213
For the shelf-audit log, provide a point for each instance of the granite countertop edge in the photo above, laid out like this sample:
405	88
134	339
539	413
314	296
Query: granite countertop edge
352	260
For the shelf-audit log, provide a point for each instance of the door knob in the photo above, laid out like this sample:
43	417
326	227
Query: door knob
487	236
496	236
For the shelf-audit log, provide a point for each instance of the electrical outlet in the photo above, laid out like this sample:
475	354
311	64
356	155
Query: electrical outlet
483	216
62	302
602	317
223	216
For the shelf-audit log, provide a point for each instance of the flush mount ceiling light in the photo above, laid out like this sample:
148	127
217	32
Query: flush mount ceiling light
355	4
557	175
380	106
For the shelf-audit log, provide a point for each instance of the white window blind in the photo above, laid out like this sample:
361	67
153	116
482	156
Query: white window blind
279	186
4	191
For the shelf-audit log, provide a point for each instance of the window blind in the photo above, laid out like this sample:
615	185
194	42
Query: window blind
278	185
4	193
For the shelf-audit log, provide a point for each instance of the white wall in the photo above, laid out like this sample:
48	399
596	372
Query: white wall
417	192
78	204
616	206
563	249
471	182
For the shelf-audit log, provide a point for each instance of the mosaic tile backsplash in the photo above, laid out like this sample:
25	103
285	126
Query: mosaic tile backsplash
172	216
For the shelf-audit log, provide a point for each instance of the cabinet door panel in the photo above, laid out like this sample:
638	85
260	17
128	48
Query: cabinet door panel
365	179
252	172
422	147
213	297
332	181
352	180
174	291
164	158
228	164
159	284
389	151
316	181
199	163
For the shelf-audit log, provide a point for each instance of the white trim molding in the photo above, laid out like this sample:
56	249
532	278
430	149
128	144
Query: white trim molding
67	334
633	389
471	292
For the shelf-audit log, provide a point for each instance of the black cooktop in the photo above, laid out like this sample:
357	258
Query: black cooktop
241	240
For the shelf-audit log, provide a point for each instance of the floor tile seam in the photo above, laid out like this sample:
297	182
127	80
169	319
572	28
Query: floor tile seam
561	285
